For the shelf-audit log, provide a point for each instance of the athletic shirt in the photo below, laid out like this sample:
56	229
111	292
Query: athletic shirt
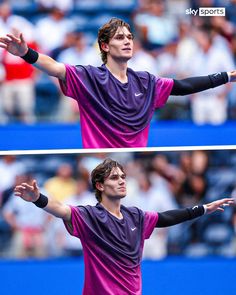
115	114
112	247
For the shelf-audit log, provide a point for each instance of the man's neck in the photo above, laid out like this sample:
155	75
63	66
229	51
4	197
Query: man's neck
118	70
112	206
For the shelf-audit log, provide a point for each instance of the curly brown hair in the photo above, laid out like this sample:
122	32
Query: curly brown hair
101	172
107	31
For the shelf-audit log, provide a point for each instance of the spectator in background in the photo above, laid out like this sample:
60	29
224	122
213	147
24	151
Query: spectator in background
155	27
27	224
66	5
168	176
55	25
17	91
186	48
68	42
194	166
10	167
223	27
210	107
63	184
80	52
142	60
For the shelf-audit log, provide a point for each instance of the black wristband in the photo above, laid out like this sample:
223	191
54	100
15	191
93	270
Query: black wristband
31	56
42	201
196	211
218	79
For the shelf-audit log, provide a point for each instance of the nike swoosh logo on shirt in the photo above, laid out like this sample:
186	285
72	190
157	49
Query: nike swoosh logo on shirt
137	94
134	228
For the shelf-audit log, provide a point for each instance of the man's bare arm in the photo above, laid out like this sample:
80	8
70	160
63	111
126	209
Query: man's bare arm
18	46
31	193
53	68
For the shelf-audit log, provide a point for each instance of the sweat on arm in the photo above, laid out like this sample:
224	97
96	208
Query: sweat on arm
177	216
197	84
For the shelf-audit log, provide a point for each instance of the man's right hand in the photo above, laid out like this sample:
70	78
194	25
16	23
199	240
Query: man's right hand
29	193
14	45
18	46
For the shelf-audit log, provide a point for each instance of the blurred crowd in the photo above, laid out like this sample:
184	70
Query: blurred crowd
156	181
168	43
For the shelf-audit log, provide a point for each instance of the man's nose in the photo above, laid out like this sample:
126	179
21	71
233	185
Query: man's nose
127	40
121	180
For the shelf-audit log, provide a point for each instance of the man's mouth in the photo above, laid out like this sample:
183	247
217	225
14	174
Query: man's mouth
121	188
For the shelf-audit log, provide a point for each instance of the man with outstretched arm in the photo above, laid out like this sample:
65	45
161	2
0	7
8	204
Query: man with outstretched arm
112	235
116	103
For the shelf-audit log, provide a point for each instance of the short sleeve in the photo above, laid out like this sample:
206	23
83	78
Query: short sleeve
75	226
150	221
73	84
162	91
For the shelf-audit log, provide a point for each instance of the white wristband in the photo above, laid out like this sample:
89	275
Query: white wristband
205	209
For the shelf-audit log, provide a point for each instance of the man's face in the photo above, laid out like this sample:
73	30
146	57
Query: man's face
114	186
120	46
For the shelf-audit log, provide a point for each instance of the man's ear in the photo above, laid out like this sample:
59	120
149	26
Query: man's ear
99	186
105	47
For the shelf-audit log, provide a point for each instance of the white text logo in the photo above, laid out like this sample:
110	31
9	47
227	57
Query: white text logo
212	11
206	11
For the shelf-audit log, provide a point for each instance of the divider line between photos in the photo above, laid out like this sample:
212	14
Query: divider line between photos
114	150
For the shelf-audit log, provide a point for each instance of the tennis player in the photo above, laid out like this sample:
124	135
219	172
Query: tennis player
116	103
112	235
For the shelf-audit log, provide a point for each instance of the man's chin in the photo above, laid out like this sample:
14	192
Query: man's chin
123	59
119	197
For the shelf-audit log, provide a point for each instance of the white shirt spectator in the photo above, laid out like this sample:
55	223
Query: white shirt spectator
26	214
51	32
64	5
211	106
143	61
88	56
8	172
14	23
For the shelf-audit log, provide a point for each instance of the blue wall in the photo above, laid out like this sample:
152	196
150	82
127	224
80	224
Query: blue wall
68	136
168	277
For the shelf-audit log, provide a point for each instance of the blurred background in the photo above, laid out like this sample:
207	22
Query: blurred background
168	43
33	241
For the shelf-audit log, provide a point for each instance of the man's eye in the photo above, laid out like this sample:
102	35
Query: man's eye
120	37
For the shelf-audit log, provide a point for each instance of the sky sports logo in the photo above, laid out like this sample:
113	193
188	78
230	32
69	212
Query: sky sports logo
206	11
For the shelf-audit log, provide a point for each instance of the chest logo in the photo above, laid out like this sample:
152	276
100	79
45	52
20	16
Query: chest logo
133	228
137	94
